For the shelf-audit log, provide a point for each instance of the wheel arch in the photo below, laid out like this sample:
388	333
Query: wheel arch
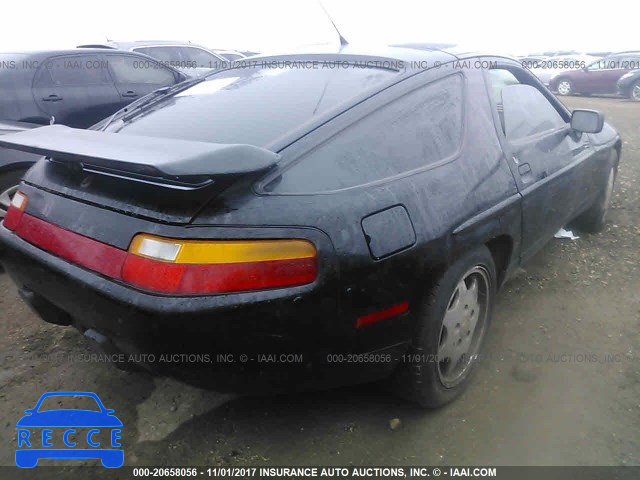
556	81
618	148
501	248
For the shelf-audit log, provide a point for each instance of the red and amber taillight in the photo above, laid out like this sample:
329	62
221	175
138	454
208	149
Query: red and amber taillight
15	211
192	267
175	266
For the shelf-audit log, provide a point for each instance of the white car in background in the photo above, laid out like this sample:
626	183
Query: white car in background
546	69
231	55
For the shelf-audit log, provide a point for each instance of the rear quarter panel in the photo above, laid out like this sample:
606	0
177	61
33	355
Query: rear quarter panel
453	206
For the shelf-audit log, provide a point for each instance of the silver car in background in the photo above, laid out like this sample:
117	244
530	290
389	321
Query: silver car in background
189	58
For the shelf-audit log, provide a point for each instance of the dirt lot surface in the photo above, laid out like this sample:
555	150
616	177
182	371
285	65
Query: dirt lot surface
560	384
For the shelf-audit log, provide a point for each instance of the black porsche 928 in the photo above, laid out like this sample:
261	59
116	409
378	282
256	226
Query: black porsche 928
306	220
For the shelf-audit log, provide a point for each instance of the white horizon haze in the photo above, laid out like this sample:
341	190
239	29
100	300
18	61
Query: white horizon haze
279	25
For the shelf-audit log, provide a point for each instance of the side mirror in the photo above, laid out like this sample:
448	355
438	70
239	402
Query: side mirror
587	121
29	410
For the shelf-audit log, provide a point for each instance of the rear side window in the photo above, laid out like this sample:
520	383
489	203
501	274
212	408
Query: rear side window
73	70
129	69
414	131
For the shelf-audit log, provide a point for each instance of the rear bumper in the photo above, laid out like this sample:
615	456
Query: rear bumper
272	338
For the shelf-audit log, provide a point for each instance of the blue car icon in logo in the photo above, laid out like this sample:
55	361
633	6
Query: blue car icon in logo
43	426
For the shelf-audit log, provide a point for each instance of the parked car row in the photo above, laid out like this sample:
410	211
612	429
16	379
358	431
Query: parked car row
586	75
189	58
362	218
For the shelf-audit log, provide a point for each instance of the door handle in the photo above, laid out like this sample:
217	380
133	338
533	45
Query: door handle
51	98
130	94
526	175
524	168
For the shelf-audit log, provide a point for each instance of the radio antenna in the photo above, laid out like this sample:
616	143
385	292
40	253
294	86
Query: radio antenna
343	41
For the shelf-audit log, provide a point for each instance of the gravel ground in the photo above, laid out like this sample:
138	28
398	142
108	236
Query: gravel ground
560	384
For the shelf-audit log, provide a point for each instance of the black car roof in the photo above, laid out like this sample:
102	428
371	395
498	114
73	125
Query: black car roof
375	52
410	52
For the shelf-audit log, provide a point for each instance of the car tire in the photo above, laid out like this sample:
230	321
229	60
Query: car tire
564	87
9	182
595	218
634	93
451	319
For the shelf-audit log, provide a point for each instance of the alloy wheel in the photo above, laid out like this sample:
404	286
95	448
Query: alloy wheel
463	326
564	87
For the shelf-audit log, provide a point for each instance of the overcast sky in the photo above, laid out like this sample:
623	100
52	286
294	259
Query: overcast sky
512	27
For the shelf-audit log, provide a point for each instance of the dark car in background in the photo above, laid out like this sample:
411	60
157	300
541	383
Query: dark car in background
342	225
601	76
629	85
76	87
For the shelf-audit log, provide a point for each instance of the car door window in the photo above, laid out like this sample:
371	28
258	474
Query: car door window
127	69
522	107
630	62
527	112
74	70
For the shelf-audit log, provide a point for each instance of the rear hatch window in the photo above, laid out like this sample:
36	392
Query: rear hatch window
255	104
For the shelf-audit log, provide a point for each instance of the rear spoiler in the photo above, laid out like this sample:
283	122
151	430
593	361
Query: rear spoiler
151	158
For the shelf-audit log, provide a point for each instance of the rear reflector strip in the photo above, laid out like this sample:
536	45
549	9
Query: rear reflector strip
374	317
183	278
178	278
71	246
